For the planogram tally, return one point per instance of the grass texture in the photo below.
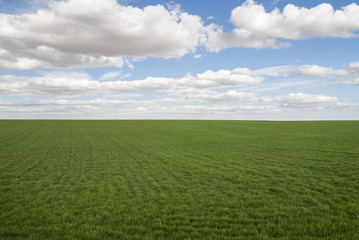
(179, 179)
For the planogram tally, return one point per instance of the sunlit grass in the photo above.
(179, 180)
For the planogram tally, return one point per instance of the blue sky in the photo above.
(133, 59)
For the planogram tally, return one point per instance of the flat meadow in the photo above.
(173, 179)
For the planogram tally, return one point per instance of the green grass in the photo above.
(179, 180)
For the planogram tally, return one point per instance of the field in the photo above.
(179, 180)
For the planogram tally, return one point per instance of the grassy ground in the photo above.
(179, 180)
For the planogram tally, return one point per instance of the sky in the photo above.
(152, 59)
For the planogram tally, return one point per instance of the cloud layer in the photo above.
(301, 100)
(55, 84)
(211, 94)
(103, 33)
(298, 105)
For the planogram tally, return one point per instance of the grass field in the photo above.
(179, 180)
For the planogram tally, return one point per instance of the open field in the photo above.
(179, 180)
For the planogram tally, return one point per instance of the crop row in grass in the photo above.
(179, 180)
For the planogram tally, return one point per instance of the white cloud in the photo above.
(91, 33)
(129, 64)
(95, 33)
(348, 75)
(8, 78)
(214, 96)
(276, 71)
(75, 108)
(25, 56)
(254, 27)
(217, 40)
(57, 83)
(297, 22)
(210, 79)
(110, 75)
(354, 66)
(318, 71)
(219, 111)
(96, 105)
(301, 100)
(270, 107)
(345, 75)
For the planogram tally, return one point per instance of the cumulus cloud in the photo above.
(8, 78)
(344, 75)
(75, 108)
(23, 56)
(269, 107)
(221, 109)
(95, 33)
(56, 83)
(218, 39)
(97, 102)
(112, 108)
(301, 100)
(348, 75)
(254, 27)
(91, 33)
(319, 71)
(354, 66)
(209, 79)
(297, 22)
(214, 96)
